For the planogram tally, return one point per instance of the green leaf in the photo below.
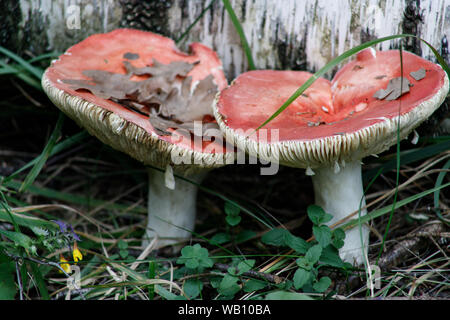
(7, 285)
(315, 214)
(297, 244)
(244, 235)
(304, 263)
(314, 253)
(231, 209)
(276, 237)
(192, 287)
(166, 294)
(123, 254)
(122, 244)
(322, 285)
(192, 264)
(330, 257)
(228, 286)
(220, 238)
(254, 285)
(286, 295)
(245, 266)
(194, 257)
(301, 277)
(233, 220)
(338, 237)
(322, 235)
(19, 239)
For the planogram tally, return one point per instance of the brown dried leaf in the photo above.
(166, 96)
(167, 71)
(418, 75)
(396, 88)
(104, 84)
(186, 106)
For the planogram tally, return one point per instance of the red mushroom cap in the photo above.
(107, 52)
(345, 119)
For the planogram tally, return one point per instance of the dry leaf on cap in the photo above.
(168, 71)
(419, 74)
(168, 96)
(104, 84)
(186, 106)
(396, 88)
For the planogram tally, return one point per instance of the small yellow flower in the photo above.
(76, 253)
(64, 264)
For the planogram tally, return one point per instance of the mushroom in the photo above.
(136, 92)
(333, 125)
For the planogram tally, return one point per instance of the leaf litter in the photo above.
(168, 96)
(399, 86)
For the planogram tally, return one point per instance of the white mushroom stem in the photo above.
(171, 213)
(340, 194)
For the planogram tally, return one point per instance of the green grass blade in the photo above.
(45, 56)
(397, 173)
(19, 73)
(39, 280)
(37, 72)
(72, 198)
(8, 212)
(240, 31)
(44, 155)
(438, 56)
(439, 180)
(408, 157)
(69, 142)
(182, 37)
(26, 221)
(382, 211)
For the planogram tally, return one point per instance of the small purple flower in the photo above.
(64, 226)
(75, 236)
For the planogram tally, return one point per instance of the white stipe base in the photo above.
(340, 194)
(171, 213)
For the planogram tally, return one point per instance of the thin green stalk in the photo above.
(397, 176)
(195, 22)
(439, 180)
(26, 65)
(240, 31)
(382, 211)
(44, 155)
(69, 142)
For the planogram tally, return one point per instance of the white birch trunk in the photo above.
(283, 34)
